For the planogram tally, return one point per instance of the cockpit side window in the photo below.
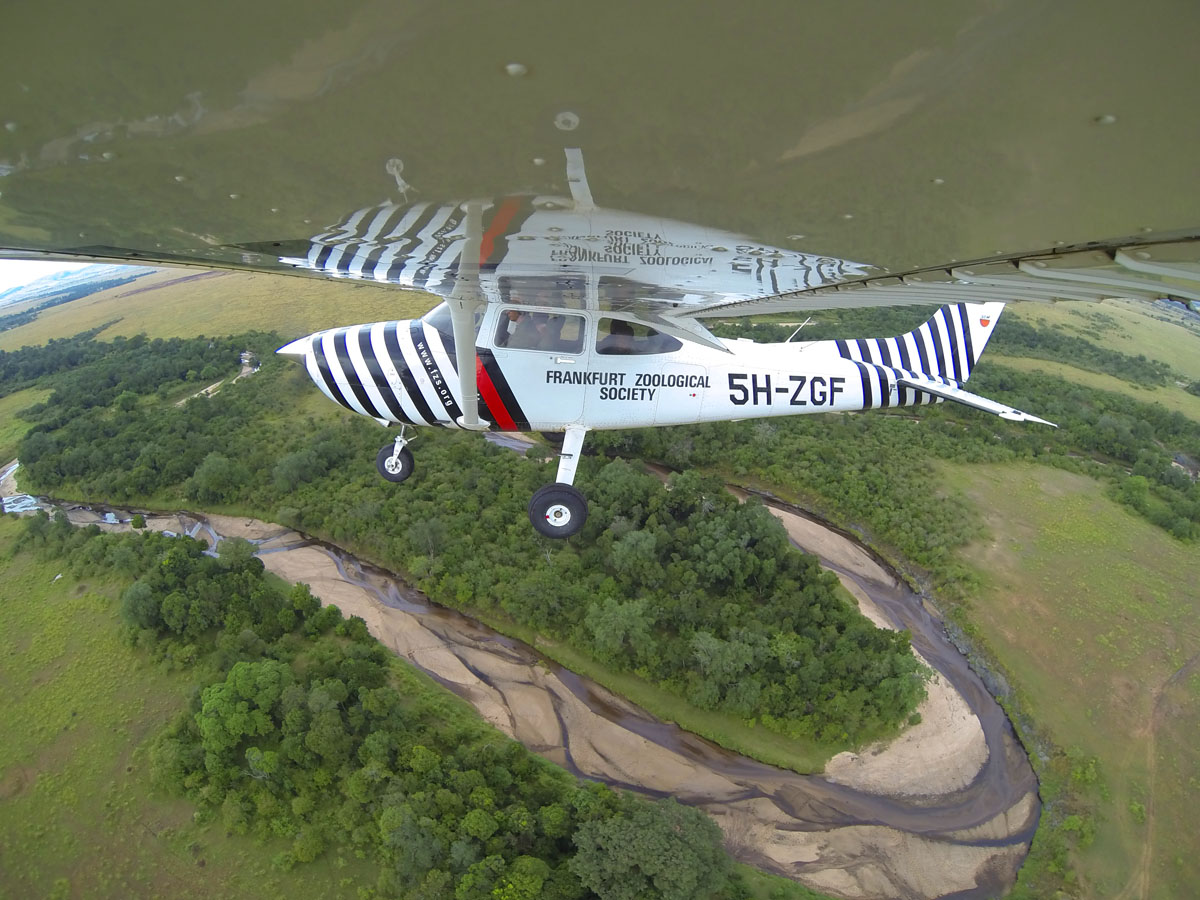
(522, 329)
(618, 337)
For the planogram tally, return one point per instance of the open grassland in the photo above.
(188, 302)
(12, 428)
(1096, 615)
(78, 817)
(1126, 326)
(1172, 397)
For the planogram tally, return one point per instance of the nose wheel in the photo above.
(558, 510)
(395, 461)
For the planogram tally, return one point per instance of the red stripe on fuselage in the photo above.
(500, 221)
(491, 397)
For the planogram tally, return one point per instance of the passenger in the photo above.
(552, 339)
(619, 340)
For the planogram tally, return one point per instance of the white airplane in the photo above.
(514, 349)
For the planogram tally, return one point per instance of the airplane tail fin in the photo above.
(946, 348)
(931, 362)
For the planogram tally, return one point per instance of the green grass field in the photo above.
(1096, 615)
(12, 428)
(78, 817)
(1126, 326)
(221, 303)
(1172, 397)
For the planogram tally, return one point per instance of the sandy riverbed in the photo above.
(530, 703)
(947, 749)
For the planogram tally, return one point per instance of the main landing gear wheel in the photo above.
(558, 510)
(394, 465)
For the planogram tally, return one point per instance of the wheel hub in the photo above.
(558, 515)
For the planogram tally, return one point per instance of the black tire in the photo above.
(554, 438)
(557, 511)
(398, 471)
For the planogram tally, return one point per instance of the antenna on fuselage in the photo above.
(581, 192)
(807, 321)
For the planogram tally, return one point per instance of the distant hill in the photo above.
(21, 305)
(51, 286)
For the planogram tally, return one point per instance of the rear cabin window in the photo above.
(522, 329)
(617, 337)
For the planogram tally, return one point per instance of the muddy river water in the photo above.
(946, 810)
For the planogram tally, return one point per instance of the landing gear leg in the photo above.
(559, 510)
(395, 460)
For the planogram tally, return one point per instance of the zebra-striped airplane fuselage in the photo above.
(405, 372)
(574, 370)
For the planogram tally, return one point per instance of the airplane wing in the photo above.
(1147, 270)
(707, 194)
(568, 252)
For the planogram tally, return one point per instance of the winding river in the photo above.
(947, 810)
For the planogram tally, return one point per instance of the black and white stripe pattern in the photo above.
(942, 350)
(389, 371)
(417, 245)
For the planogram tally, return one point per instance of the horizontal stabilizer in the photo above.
(958, 395)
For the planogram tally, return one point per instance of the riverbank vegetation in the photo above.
(1050, 582)
(305, 733)
(78, 813)
(685, 588)
(12, 424)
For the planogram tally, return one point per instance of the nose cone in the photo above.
(297, 349)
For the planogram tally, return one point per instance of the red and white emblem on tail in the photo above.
(985, 321)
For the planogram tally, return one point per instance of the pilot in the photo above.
(619, 340)
(507, 326)
(522, 330)
(531, 328)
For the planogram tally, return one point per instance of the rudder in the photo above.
(945, 348)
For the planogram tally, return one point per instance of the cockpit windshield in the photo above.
(439, 318)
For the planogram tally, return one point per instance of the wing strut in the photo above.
(464, 302)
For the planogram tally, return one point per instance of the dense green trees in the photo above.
(305, 728)
(659, 852)
(684, 587)
(93, 373)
